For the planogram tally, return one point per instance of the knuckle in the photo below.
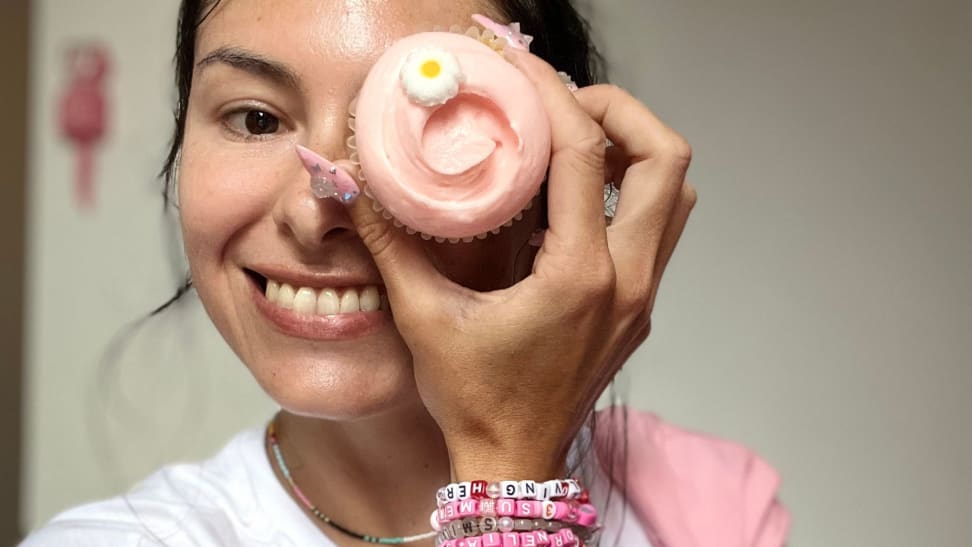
(678, 150)
(691, 195)
(635, 300)
(601, 280)
(591, 150)
(376, 234)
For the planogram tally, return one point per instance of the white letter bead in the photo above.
(451, 492)
(573, 488)
(509, 489)
(527, 490)
(541, 492)
(463, 490)
(555, 489)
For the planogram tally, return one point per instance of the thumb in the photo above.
(401, 258)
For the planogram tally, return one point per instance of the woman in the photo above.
(496, 352)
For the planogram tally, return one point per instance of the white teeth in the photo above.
(306, 301)
(328, 302)
(369, 299)
(285, 297)
(349, 301)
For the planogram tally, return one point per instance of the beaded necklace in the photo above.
(285, 471)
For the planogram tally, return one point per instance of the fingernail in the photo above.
(327, 179)
(511, 32)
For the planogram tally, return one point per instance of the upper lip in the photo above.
(315, 280)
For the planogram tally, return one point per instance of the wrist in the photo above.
(527, 464)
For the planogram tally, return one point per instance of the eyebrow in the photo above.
(252, 63)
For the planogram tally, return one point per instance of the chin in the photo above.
(355, 380)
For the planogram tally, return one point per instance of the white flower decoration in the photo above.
(431, 76)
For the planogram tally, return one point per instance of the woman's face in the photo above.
(270, 75)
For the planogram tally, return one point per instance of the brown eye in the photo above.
(261, 123)
(252, 123)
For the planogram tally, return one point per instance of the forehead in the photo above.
(341, 30)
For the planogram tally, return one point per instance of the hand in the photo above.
(510, 375)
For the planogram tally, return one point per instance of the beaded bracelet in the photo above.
(487, 525)
(563, 538)
(569, 512)
(547, 490)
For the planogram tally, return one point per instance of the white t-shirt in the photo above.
(232, 499)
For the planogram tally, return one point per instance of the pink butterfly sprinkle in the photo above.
(511, 32)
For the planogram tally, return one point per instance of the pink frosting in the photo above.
(463, 168)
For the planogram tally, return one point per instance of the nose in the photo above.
(311, 222)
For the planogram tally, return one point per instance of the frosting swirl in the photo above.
(454, 166)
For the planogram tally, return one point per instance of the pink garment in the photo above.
(691, 490)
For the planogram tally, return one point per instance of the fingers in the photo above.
(652, 181)
(688, 197)
(658, 159)
(575, 193)
(404, 265)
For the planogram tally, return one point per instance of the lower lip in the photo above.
(346, 326)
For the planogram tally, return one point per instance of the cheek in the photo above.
(225, 187)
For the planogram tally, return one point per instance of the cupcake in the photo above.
(452, 140)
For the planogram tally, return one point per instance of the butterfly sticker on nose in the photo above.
(327, 179)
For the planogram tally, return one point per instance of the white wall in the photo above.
(819, 307)
(816, 310)
(177, 392)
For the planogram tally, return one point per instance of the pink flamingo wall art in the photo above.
(83, 114)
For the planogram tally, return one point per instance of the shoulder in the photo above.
(691, 489)
(185, 504)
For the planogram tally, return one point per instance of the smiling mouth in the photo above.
(322, 301)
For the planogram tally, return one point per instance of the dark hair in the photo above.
(561, 37)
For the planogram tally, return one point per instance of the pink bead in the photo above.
(511, 539)
(468, 508)
(571, 516)
(564, 538)
(474, 542)
(487, 508)
(542, 537)
(451, 511)
(506, 507)
(492, 539)
(528, 539)
(562, 510)
(450, 543)
(529, 509)
(586, 515)
(462, 543)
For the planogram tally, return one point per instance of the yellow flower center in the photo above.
(431, 69)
